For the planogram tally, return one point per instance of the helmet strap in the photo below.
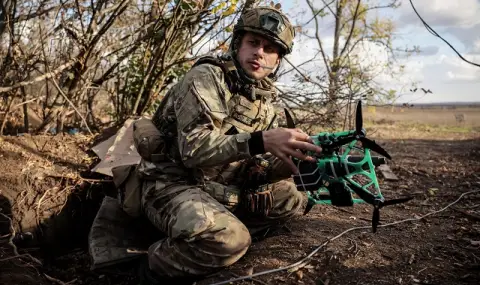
(273, 76)
(238, 80)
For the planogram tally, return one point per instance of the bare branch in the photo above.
(39, 78)
(71, 104)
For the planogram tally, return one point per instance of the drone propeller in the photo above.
(380, 204)
(377, 203)
(368, 143)
(360, 132)
(359, 118)
(290, 122)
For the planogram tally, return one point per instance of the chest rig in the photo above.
(250, 107)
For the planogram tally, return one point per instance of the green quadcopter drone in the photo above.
(333, 178)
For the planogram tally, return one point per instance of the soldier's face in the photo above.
(258, 56)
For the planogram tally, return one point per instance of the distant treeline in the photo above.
(443, 105)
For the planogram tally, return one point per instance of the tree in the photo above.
(345, 72)
(72, 59)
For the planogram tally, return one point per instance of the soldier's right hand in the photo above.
(285, 143)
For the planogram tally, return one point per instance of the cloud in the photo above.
(372, 57)
(436, 67)
(476, 46)
(442, 13)
(458, 19)
(461, 71)
(456, 61)
(468, 36)
(461, 77)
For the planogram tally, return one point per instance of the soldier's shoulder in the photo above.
(205, 79)
(205, 70)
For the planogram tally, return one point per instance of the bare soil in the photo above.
(442, 248)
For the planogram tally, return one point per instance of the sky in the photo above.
(437, 67)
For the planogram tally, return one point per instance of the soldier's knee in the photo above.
(234, 240)
(292, 198)
(220, 244)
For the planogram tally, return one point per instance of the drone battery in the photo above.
(376, 160)
(310, 177)
(340, 195)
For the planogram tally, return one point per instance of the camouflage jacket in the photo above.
(205, 122)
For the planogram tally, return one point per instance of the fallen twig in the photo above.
(38, 208)
(58, 281)
(421, 270)
(79, 178)
(472, 207)
(304, 261)
(354, 246)
(253, 279)
(14, 256)
(472, 216)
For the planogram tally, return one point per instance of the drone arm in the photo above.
(365, 196)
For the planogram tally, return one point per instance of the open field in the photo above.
(416, 122)
(436, 160)
(461, 117)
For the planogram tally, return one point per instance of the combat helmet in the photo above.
(269, 22)
(266, 21)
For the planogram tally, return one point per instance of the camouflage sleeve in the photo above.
(200, 110)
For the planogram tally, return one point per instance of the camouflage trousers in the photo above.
(206, 229)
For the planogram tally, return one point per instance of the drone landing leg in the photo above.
(308, 208)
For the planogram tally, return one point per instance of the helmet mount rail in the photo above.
(269, 22)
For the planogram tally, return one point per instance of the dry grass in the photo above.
(434, 123)
(418, 123)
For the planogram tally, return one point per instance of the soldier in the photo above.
(218, 176)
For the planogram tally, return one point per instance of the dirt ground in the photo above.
(441, 248)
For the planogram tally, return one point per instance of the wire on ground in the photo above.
(304, 261)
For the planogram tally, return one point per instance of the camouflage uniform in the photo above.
(192, 189)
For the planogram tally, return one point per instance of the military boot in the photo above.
(260, 234)
(148, 277)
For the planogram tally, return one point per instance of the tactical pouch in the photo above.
(148, 140)
(129, 185)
